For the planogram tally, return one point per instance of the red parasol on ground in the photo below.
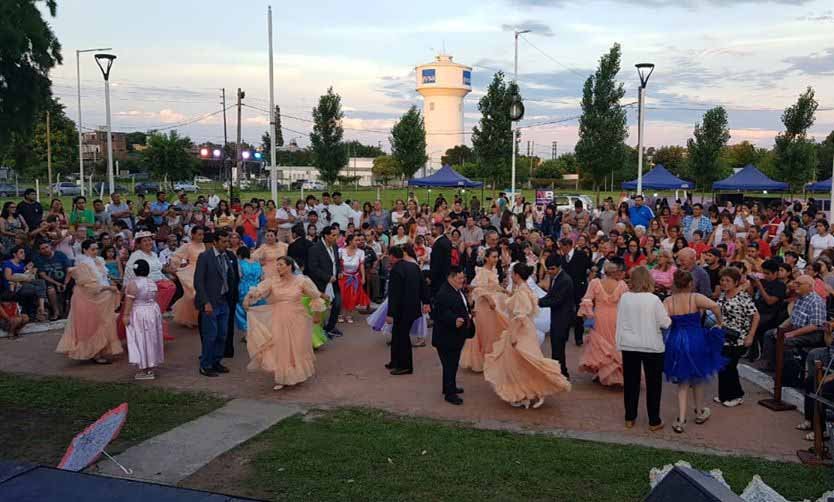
(88, 445)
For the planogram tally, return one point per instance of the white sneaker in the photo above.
(732, 403)
(716, 400)
(702, 416)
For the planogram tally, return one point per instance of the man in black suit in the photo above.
(452, 326)
(441, 258)
(560, 300)
(576, 264)
(323, 268)
(406, 289)
(214, 283)
(299, 247)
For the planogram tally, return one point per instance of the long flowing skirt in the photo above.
(419, 328)
(185, 312)
(165, 291)
(520, 372)
(144, 336)
(353, 294)
(91, 326)
(489, 324)
(319, 338)
(279, 341)
(693, 353)
(601, 357)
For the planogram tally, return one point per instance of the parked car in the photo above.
(313, 185)
(202, 179)
(146, 187)
(185, 186)
(7, 190)
(66, 188)
(105, 188)
(565, 203)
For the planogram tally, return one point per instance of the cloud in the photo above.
(824, 16)
(689, 4)
(168, 116)
(814, 64)
(535, 27)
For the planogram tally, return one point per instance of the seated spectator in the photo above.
(52, 267)
(20, 279)
(10, 320)
(824, 355)
(804, 331)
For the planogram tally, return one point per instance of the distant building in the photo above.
(356, 166)
(94, 145)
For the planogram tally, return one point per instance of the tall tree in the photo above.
(408, 142)
(825, 154)
(602, 127)
(170, 154)
(742, 154)
(458, 155)
(329, 155)
(358, 149)
(672, 157)
(492, 138)
(710, 137)
(279, 131)
(26, 152)
(135, 138)
(28, 50)
(385, 169)
(795, 153)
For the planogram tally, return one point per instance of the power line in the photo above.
(548, 56)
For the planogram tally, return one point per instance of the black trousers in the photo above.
(335, 309)
(449, 360)
(401, 344)
(652, 364)
(729, 382)
(230, 333)
(578, 328)
(558, 339)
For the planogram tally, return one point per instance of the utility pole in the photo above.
(49, 152)
(532, 147)
(273, 178)
(238, 158)
(554, 151)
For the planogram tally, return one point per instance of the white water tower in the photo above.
(443, 85)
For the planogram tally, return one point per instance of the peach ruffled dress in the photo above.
(268, 256)
(91, 326)
(280, 333)
(185, 312)
(601, 357)
(516, 367)
(489, 323)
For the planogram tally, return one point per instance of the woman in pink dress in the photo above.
(183, 263)
(90, 332)
(601, 357)
(280, 332)
(664, 272)
(269, 252)
(143, 320)
(489, 298)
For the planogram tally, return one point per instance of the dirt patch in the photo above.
(228, 473)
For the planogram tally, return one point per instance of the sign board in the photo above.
(429, 76)
(544, 197)
(467, 77)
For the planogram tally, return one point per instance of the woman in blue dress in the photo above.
(693, 352)
(251, 274)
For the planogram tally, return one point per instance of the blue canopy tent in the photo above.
(660, 178)
(750, 178)
(819, 186)
(445, 177)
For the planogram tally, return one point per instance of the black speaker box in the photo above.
(683, 484)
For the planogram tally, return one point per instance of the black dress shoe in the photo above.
(400, 371)
(208, 372)
(219, 368)
(459, 390)
(388, 366)
(453, 399)
(336, 332)
(579, 343)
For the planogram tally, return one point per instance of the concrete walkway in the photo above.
(174, 455)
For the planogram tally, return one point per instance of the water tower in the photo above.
(443, 84)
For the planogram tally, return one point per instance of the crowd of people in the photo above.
(647, 288)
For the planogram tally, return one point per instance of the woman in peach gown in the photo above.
(516, 368)
(488, 297)
(601, 357)
(90, 333)
(269, 251)
(280, 332)
(183, 263)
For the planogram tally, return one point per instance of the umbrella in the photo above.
(89, 444)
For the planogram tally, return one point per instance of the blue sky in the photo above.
(754, 57)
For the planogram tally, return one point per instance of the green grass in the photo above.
(39, 416)
(369, 455)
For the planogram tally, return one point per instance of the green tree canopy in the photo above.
(385, 169)
(26, 152)
(673, 157)
(329, 155)
(796, 154)
(457, 155)
(135, 138)
(492, 138)
(28, 50)
(408, 142)
(825, 154)
(170, 154)
(358, 149)
(602, 127)
(710, 138)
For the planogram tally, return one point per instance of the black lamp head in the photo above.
(645, 71)
(105, 62)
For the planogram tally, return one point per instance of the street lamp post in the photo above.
(516, 109)
(105, 62)
(80, 133)
(644, 70)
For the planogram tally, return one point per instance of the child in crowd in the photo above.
(143, 321)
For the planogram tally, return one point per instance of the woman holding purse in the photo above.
(740, 322)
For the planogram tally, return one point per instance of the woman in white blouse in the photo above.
(640, 317)
(164, 286)
(820, 241)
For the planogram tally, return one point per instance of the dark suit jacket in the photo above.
(577, 268)
(406, 292)
(298, 250)
(560, 300)
(319, 265)
(207, 280)
(447, 307)
(440, 263)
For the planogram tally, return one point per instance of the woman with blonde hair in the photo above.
(601, 357)
(640, 319)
